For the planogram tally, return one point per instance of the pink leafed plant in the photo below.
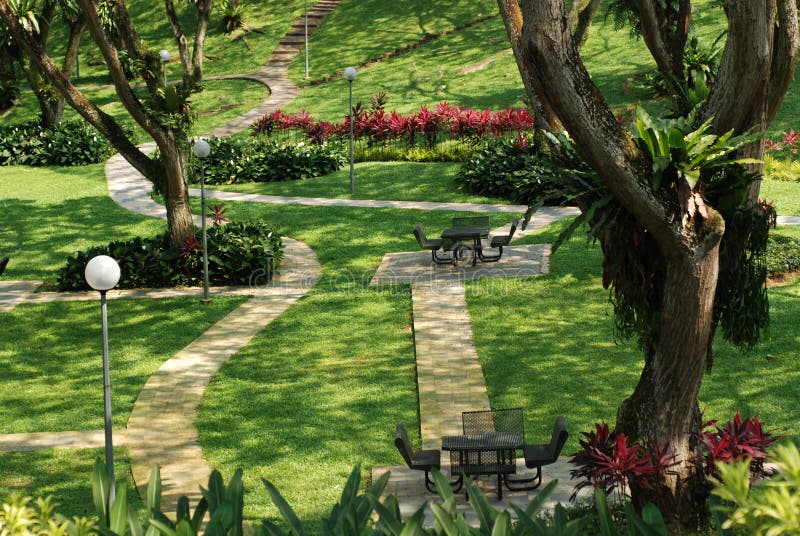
(734, 441)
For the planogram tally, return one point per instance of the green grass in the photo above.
(546, 344)
(50, 213)
(786, 195)
(319, 390)
(220, 102)
(361, 30)
(399, 181)
(50, 356)
(65, 474)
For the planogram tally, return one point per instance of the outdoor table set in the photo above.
(467, 234)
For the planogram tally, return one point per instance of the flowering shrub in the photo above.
(376, 126)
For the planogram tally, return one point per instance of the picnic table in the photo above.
(492, 453)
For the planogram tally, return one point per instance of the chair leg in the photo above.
(537, 478)
(430, 485)
(440, 260)
(491, 258)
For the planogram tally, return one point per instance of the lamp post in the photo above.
(102, 273)
(201, 150)
(164, 55)
(350, 75)
(305, 14)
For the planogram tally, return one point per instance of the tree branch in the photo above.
(784, 58)
(584, 112)
(96, 117)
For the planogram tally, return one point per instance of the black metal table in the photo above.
(492, 453)
(460, 235)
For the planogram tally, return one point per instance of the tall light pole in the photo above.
(201, 150)
(102, 273)
(305, 13)
(350, 75)
(164, 55)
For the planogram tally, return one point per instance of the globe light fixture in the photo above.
(164, 55)
(350, 75)
(201, 150)
(102, 274)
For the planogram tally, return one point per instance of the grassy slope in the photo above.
(221, 101)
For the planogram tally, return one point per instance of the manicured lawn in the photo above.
(319, 390)
(398, 181)
(785, 194)
(63, 473)
(50, 213)
(51, 357)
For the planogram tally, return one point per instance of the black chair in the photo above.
(498, 242)
(3, 264)
(493, 420)
(433, 245)
(537, 456)
(418, 460)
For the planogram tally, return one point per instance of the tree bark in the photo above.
(580, 19)
(665, 31)
(543, 113)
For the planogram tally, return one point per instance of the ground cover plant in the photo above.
(73, 143)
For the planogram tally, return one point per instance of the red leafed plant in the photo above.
(218, 214)
(189, 247)
(734, 441)
(790, 138)
(608, 462)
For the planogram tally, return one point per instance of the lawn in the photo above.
(65, 474)
(399, 181)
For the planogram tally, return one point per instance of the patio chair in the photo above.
(498, 242)
(418, 460)
(433, 245)
(3, 264)
(537, 456)
(493, 420)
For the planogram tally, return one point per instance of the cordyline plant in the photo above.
(606, 461)
(378, 126)
(736, 440)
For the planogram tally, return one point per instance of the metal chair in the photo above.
(537, 456)
(493, 420)
(433, 245)
(499, 242)
(3, 264)
(418, 460)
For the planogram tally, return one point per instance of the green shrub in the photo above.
(446, 151)
(768, 507)
(512, 169)
(783, 254)
(239, 253)
(72, 143)
(256, 160)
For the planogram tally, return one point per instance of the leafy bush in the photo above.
(512, 169)
(72, 143)
(736, 440)
(256, 160)
(783, 255)
(237, 253)
(768, 507)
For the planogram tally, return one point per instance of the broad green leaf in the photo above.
(286, 511)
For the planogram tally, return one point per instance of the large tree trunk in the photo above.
(176, 193)
(661, 410)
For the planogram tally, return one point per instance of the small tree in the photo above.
(165, 113)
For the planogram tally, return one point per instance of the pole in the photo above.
(165, 72)
(107, 401)
(352, 157)
(206, 299)
(305, 12)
